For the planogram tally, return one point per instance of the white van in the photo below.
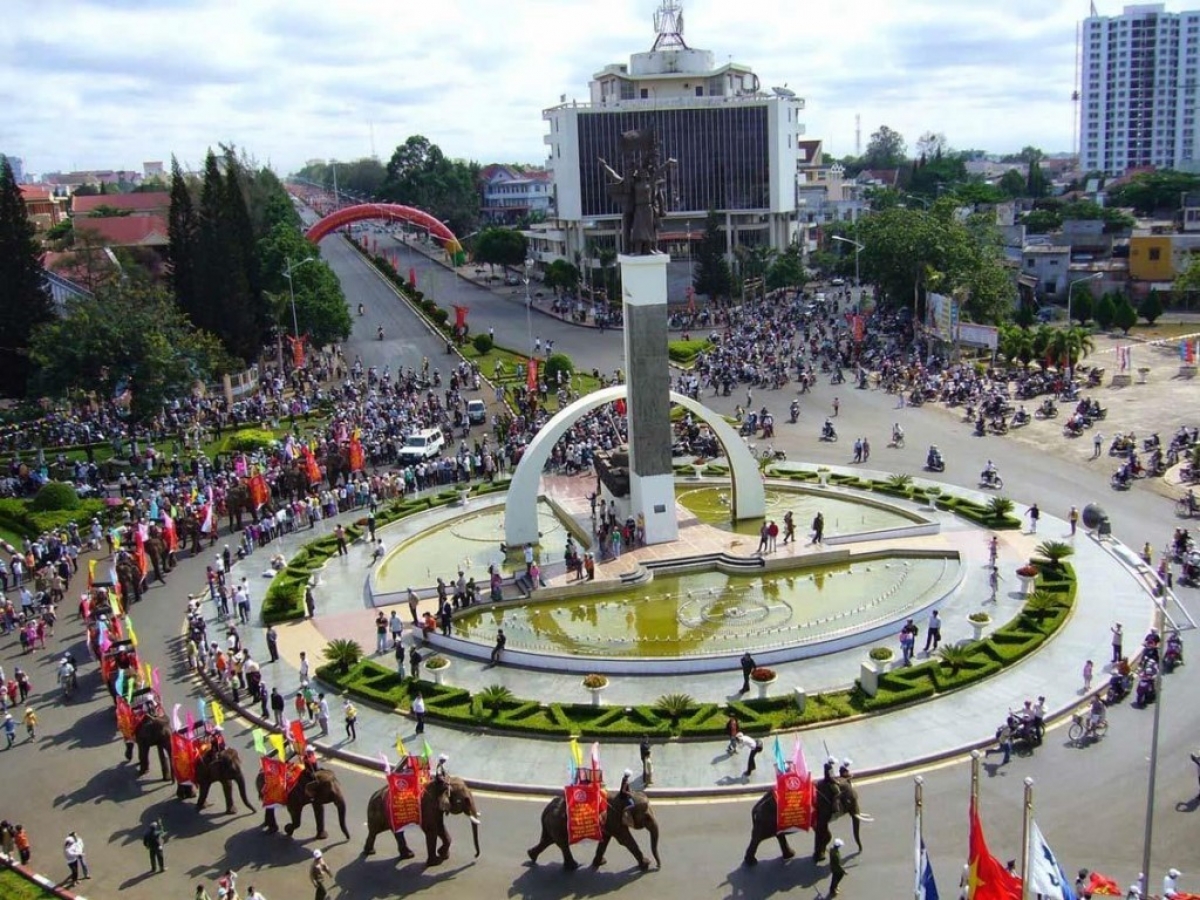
(422, 445)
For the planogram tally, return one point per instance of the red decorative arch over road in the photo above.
(358, 213)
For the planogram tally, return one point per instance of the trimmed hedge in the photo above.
(53, 496)
(19, 516)
(685, 352)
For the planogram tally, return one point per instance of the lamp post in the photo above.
(287, 273)
(1071, 289)
(1160, 615)
(858, 248)
(528, 303)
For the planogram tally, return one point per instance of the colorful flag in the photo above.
(401, 750)
(206, 515)
(987, 877)
(358, 458)
(218, 714)
(129, 630)
(1044, 873)
(120, 682)
(91, 573)
(426, 752)
(781, 765)
(799, 764)
(531, 375)
(596, 755)
(387, 765)
(296, 731)
(155, 682)
(260, 743)
(279, 744)
(175, 726)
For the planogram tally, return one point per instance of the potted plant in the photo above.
(932, 492)
(439, 666)
(881, 655)
(979, 621)
(823, 475)
(596, 684)
(763, 678)
(698, 465)
(1028, 575)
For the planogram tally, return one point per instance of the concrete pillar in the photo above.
(651, 478)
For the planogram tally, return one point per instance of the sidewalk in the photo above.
(1108, 591)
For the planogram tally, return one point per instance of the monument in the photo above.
(641, 193)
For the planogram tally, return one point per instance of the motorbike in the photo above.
(794, 412)
(934, 462)
(829, 433)
(1173, 656)
(1117, 690)
(362, 310)
(379, 332)
(1020, 418)
(998, 426)
(980, 427)
(1151, 443)
(990, 478)
(1121, 479)
(1146, 691)
(1048, 409)
(770, 454)
(1122, 445)
(1073, 427)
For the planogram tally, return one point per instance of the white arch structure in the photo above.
(520, 515)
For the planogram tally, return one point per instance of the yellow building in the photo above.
(1150, 258)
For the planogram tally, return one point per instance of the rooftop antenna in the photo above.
(857, 134)
(668, 26)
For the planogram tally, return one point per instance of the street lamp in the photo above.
(528, 302)
(1071, 288)
(1160, 615)
(287, 273)
(858, 248)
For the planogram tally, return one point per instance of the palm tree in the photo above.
(1052, 553)
(1043, 335)
(343, 653)
(955, 657)
(1070, 345)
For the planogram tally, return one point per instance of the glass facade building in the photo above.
(723, 156)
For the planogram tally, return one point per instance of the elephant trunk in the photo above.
(475, 833)
(652, 827)
(241, 783)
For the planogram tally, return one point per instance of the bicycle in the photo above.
(1081, 730)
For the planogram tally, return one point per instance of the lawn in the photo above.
(510, 362)
(14, 887)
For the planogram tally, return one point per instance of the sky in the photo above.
(88, 84)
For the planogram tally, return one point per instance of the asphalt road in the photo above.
(1090, 803)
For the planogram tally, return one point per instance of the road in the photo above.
(1090, 803)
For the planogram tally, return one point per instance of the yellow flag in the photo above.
(280, 746)
(149, 673)
(115, 602)
(401, 750)
(218, 714)
(576, 752)
(130, 631)
(91, 572)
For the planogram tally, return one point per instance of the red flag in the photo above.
(296, 733)
(260, 493)
(531, 380)
(988, 879)
(358, 459)
(139, 542)
(1103, 886)
(310, 466)
(620, 407)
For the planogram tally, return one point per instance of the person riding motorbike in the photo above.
(379, 332)
(980, 427)
(933, 459)
(1021, 416)
(897, 435)
(794, 410)
(827, 431)
(990, 474)
(1096, 715)
(362, 309)
(1174, 652)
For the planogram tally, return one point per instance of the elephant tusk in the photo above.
(863, 817)
(474, 820)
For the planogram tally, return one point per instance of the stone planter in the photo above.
(463, 496)
(1122, 379)
(1142, 373)
(1027, 583)
(596, 692)
(977, 628)
(764, 687)
(698, 471)
(823, 477)
(439, 674)
(868, 677)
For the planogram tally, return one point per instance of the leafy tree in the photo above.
(321, 309)
(125, 335)
(1069, 345)
(712, 277)
(363, 176)
(1035, 182)
(932, 145)
(24, 298)
(1150, 192)
(931, 177)
(1081, 306)
(501, 247)
(1025, 316)
(1016, 344)
(1042, 221)
(1105, 311)
(562, 276)
(420, 175)
(1125, 316)
(104, 211)
(1151, 307)
(786, 270)
(885, 150)
(558, 363)
(976, 192)
(86, 190)
(1012, 184)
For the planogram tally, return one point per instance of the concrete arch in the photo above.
(520, 514)
(358, 213)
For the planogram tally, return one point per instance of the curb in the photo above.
(40, 880)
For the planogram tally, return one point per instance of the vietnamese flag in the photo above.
(987, 877)
(531, 381)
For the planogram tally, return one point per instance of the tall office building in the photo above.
(737, 146)
(18, 167)
(1138, 78)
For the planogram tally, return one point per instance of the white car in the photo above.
(422, 445)
(476, 412)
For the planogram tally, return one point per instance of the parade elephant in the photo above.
(153, 731)
(457, 800)
(336, 463)
(834, 797)
(618, 823)
(159, 557)
(225, 767)
(129, 577)
(238, 504)
(188, 530)
(291, 485)
(315, 788)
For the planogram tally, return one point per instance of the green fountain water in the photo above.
(716, 613)
(711, 505)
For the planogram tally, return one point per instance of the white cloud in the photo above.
(109, 83)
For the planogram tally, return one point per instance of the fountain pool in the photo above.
(843, 515)
(714, 613)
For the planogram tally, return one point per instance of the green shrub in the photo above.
(558, 362)
(685, 352)
(247, 440)
(54, 496)
(483, 343)
(675, 706)
(343, 653)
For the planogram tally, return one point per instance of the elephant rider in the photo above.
(844, 770)
(216, 743)
(441, 784)
(311, 763)
(625, 798)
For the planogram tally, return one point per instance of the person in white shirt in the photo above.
(1170, 889)
(76, 859)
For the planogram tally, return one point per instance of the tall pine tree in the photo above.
(183, 235)
(208, 309)
(712, 278)
(25, 300)
(244, 309)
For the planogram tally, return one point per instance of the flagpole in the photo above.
(918, 805)
(1025, 838)
(976, 760)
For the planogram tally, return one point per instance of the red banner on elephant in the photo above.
(183, 759)
(793, 802)
(310, 466)
(297, 345)
(403, 798)
(127, 719)
(259, 492)
(531, 380)
(587, 805)
(278, 779)
(358, 458)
